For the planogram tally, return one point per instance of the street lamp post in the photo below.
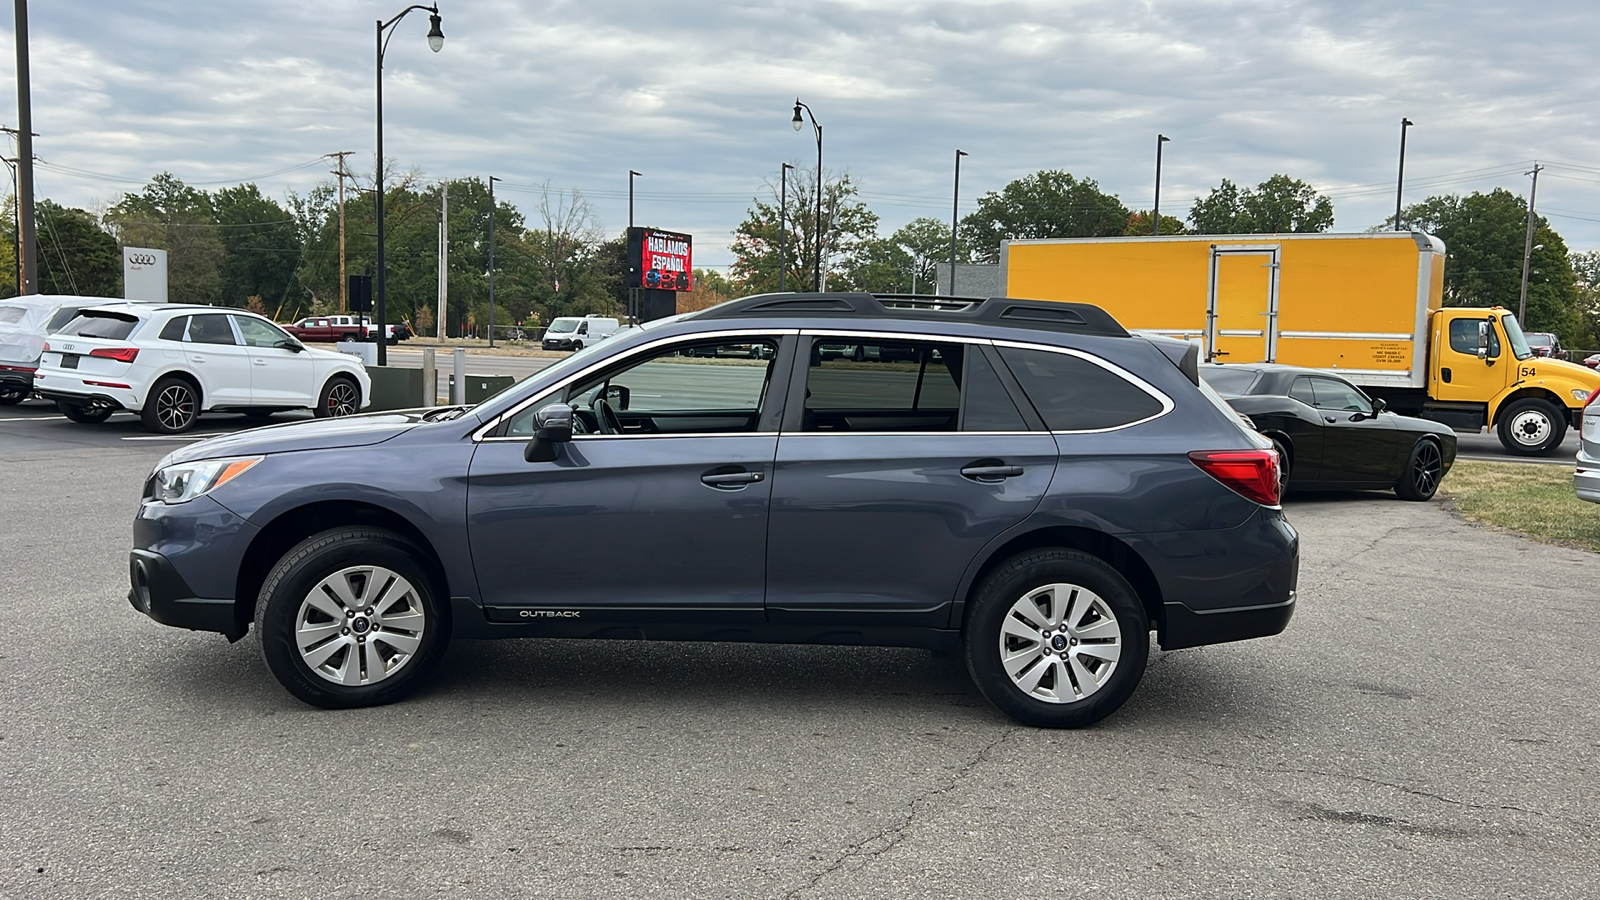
(798, 122)
(633, 292)
(783, 216)
(1155, 211)
(955, 205)
(492, 180)
(1400, 180)
(436, 43)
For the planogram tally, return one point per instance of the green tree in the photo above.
(262, 246)
(76, 255)
(1484, 236)
(169, 215)
(1047, 204)
(847, 225)
(1139, 224)
(1586, 272)
(1279, 205)
(904, 262)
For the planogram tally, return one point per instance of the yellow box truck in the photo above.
(1367, 306)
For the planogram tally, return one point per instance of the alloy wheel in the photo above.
(342, 399)
(1060, 643)
(1427, 470)
(175, 407)
(359, 625)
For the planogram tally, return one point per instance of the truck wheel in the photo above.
(83, 413)
(351, 618)
(171, 406)
(1056, 638)
(1532, 427)
(1422, 473)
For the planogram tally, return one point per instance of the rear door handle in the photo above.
(984, 473)
(730, 480)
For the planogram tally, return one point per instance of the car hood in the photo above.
(317, 434)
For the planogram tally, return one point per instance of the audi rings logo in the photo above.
(142, 259)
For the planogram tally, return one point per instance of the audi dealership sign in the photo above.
(144, 274)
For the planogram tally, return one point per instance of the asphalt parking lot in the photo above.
(1425, 728)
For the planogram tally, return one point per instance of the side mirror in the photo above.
(552, 427)
(1483, 340)
(1379, 405)
(617, 395)
(291, 346)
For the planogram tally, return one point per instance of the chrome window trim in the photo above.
(482, 433)
(894, 336)
(907, 433)
(1167, 405)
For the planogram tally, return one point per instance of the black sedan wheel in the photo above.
(1285, 462)
(1423, 472)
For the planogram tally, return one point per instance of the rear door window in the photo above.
(211, 328)
(1072, 393)
(883, 385)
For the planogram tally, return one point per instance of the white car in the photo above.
(1587, 478)
(24, 322)
(171, 362)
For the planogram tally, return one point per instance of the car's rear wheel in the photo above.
(84, 413)
(12, 394)
(1056, 638)
(340, 397)
(1285, 463)
(1423, 472)
(351, 617)
(1532, 427)
(172, 406)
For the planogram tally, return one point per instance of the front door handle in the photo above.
(726, 480)
(990, 472)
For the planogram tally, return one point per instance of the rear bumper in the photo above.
(1587, 479)
(1189, 628)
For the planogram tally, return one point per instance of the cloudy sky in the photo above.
(697, 95)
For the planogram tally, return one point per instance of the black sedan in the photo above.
(1330, 435)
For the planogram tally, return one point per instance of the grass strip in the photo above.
(1532, 500)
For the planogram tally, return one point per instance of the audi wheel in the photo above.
(172, 406)
(340, 397)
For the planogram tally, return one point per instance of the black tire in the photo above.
(172, 406)
(859, 354)
(1028, 576)
(258, 415)
(1424, 469)
(341, 396)
(1285, 466)
(84, 414)
(576, 346)
(285, 607)
(12, 394)
(1532, 427)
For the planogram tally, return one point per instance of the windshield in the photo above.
(1228, 381)
(562, 326)
(1519, 344)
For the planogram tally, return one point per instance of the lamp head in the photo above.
(1406, 122)
(797, 121)
(1162, 139)
(435, 34)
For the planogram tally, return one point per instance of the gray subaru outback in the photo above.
(1020, 482)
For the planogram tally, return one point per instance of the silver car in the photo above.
(1588, 475)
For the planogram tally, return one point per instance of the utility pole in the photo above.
(1527, 244)
(16, 206)
(25, 230)
(344, 283)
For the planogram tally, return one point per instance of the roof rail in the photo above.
(1040, 315)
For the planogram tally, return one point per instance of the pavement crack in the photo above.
(888, 837)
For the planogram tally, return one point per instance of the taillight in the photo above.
(1252, 474)
(120, 354)
(46, 347)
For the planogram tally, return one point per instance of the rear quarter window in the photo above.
(11, 315)
(110, 326)
(1074, 394)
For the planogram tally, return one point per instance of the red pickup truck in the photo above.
(320, 329)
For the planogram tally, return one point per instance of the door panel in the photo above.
(277, 376)
(1357, 449)
(1470, 378)
(884, 525)
(1242, 302)
(214, 353)
(621, 523)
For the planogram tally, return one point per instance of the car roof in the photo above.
(1003, 312)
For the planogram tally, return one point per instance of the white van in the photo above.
(577, 332)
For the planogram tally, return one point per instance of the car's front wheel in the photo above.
(351, 617)
(83, 413)
(1422, 474)
(1056, 638)
(340, 397)
(172, 406)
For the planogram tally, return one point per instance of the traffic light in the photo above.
(360, 293)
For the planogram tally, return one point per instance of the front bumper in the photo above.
(183, 568)
(564, 344)
(157, 590)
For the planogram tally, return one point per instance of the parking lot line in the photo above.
(32, 418)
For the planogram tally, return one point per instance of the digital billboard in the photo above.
(660, 260)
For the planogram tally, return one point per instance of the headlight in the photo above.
(186, 481)
(1581, 395)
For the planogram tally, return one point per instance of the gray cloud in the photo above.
(697, 96)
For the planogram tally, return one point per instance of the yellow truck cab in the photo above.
(1368, 307)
